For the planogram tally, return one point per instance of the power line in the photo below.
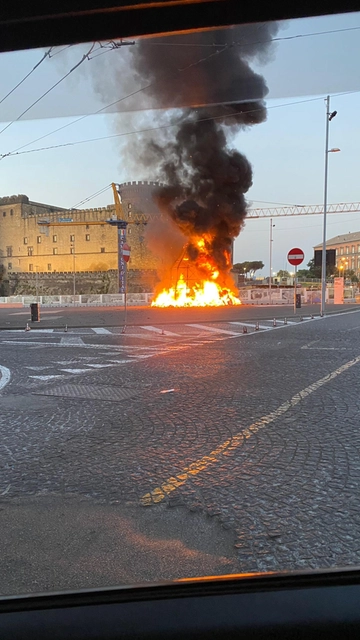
(150, 129)
(50, 89)
(247, 44)
(93, 195)
(46, 54)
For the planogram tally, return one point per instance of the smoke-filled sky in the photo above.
(286, 151)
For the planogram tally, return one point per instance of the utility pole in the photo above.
(329, 117)
(270, 257)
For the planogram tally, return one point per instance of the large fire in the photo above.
(205, 287)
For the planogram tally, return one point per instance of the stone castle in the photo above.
(50, 241)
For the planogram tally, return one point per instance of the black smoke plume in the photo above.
(218, 92)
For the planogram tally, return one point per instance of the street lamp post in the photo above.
(329, 117)
(74, 271)
(270, 257)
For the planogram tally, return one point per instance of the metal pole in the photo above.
(295, 288)
(323, 260)
(125, 295)
(270, 259)
(74, 274)
(37, 284)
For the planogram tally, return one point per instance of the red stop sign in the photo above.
(126, 252)
(295, 256)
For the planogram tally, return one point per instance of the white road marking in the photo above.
(76, 370)
(161, 331)
(159, 493)
(213, 329)
(69, 340)
(46, 377)
(101, 331)
(5, 376)
(248, 324)
(101, 366)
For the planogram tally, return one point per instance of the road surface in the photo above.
(78, 317)
(167, 453)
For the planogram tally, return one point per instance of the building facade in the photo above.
(41, 238)
(347, 248)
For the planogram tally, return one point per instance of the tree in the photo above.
(283, 274)
(351, 275)
(248, 267)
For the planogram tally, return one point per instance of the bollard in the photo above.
(244, 329)
(301, 318)
(274, 322)
(27, 328)
(123, 329)
(285, 320)
(162, 332)
(257, 327)
(312, 316)
(65, 328)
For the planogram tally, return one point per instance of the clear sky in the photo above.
(287, 152)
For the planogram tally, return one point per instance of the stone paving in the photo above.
(257, 434)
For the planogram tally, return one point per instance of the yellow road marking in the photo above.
(159, 493)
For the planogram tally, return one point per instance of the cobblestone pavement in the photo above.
(256, 434)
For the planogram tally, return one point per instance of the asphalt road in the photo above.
(78, 317)
(202, 450)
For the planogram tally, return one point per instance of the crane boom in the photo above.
(303, 210)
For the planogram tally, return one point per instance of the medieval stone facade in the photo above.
(41, 238)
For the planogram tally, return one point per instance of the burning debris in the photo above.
(206, 180)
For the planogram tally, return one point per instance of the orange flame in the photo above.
(204, 294)
(208, 288)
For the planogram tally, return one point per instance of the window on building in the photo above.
(72, 250)
(336, 251)
(39, 239)
(129, 205)
(31, 267)
(54, 238)
(30, 251)
(87, 237)
(341, 251)
(129, 232)
(25, 240)
(358, 248)
(55, 251)
(9, 252)
(87, 227)
(49, 267)
(353, 249)
(347, 250)
(9, 266)
(102, 250)
(72, 238)
(11, 212)
(129, 214)
(4, 214)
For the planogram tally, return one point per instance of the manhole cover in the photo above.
(90, 392)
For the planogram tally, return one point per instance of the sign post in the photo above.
(126, 250)
(295, 257)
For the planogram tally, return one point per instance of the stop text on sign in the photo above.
(295, 256)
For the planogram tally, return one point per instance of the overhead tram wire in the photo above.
(46, 54)
(84, 57)
(93, 195)
(150, 129)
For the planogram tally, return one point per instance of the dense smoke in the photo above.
(219, 94)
